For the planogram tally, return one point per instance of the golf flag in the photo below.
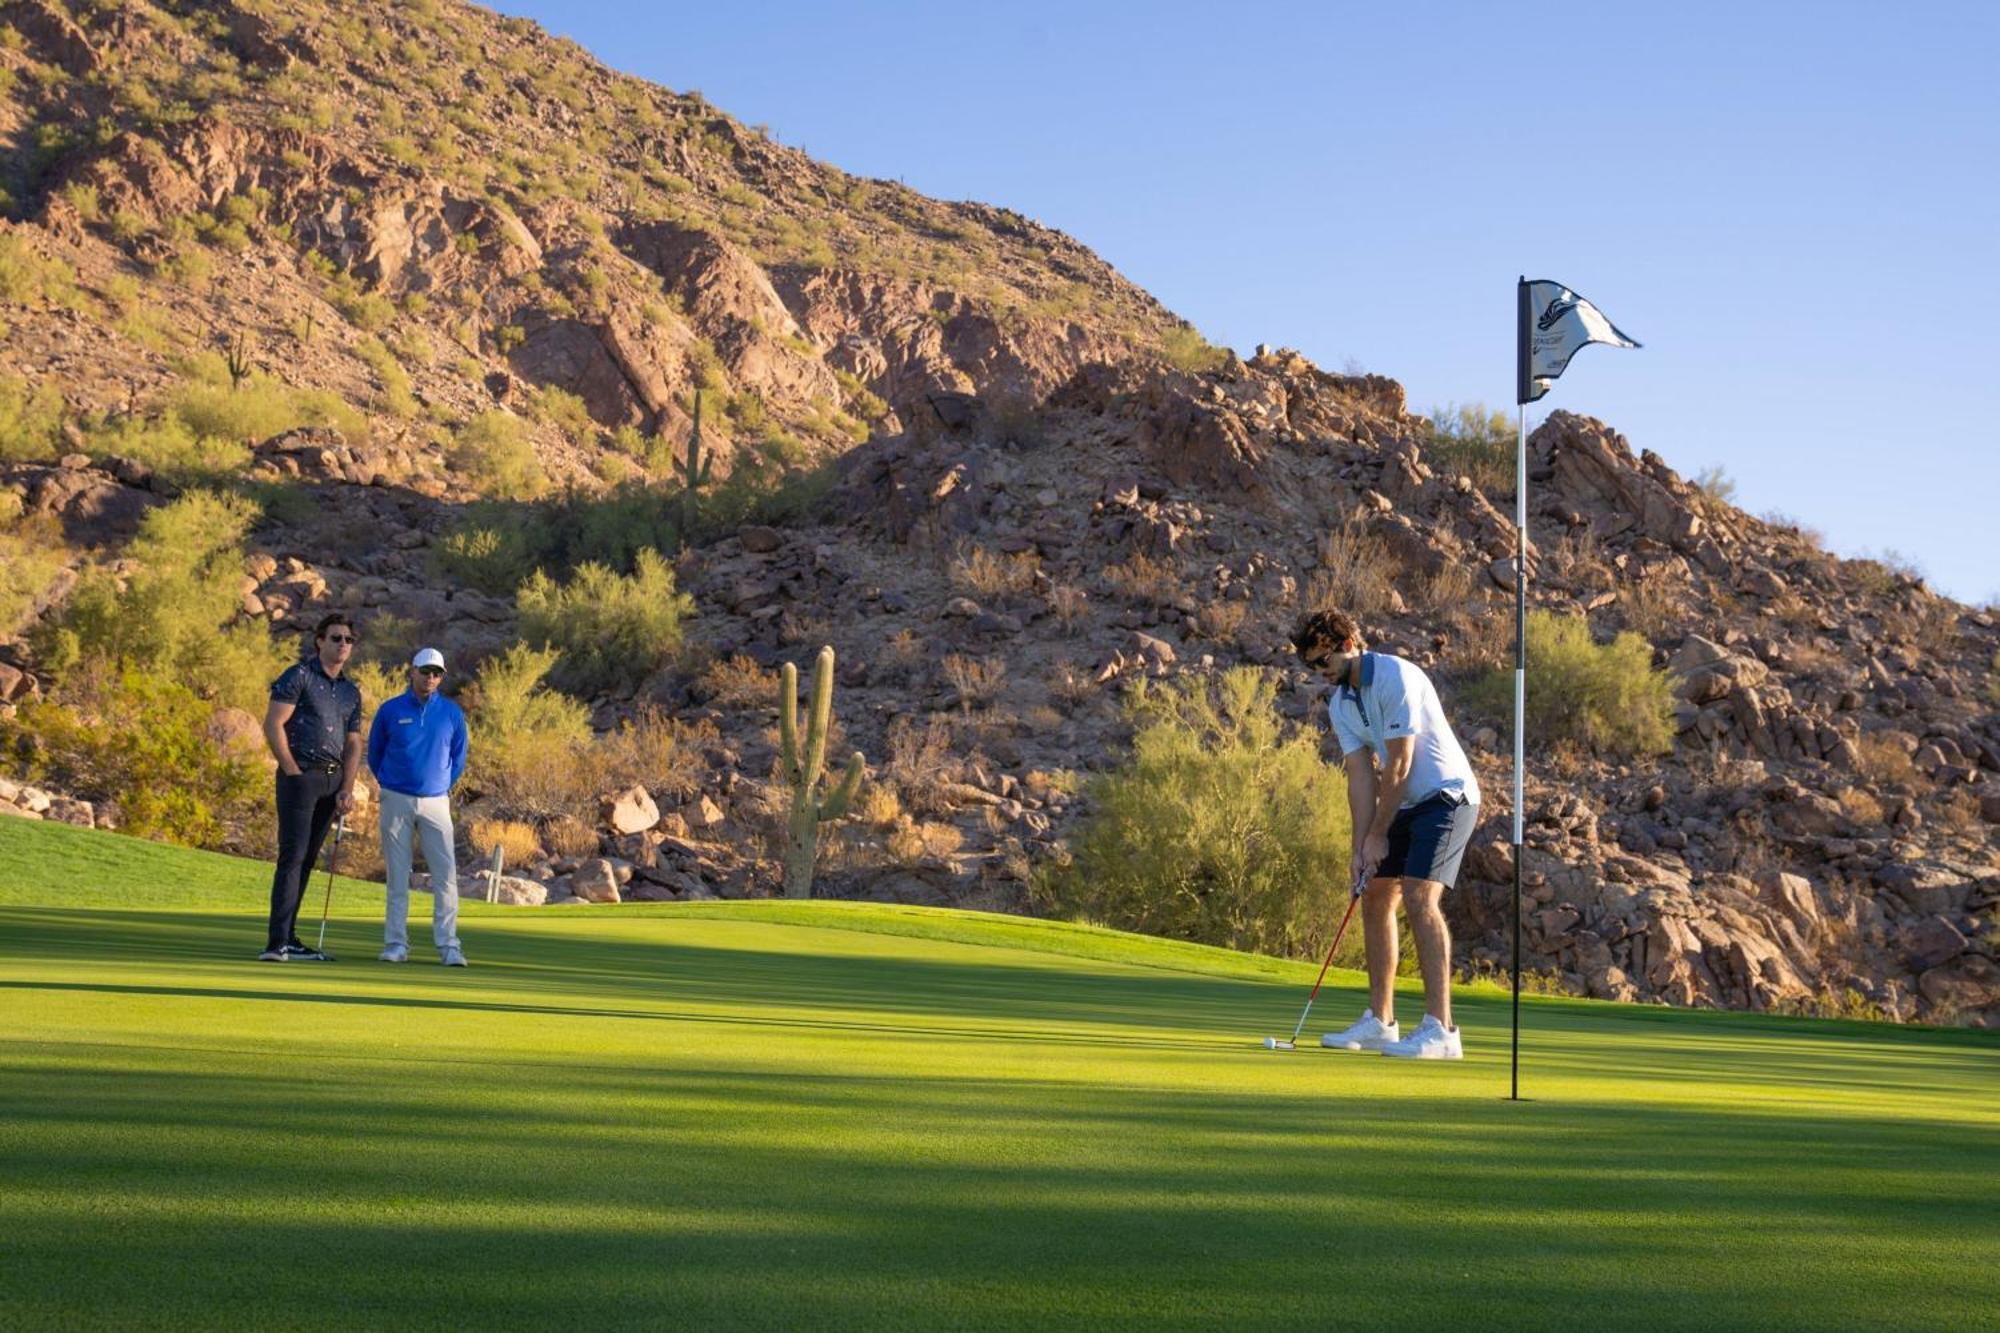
(1556, 323)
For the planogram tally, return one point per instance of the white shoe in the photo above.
(452, 956)
(394, 953)
(1431, 1041)
(1369, 1034)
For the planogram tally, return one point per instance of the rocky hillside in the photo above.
(403, 233)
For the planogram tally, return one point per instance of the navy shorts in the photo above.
(1428, 840)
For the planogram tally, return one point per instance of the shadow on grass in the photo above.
(641, 1197)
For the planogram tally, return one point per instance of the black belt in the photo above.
(319, 766)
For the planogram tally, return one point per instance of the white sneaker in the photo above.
(1431, 1041)
(1369, 1034)
(452, 956)
(394, 953)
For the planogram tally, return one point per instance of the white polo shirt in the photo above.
(1397, 699)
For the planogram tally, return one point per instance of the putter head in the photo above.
(1278, 1044)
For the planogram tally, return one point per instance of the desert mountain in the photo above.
(424, 281)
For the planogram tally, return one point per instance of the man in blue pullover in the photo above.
(416, 750)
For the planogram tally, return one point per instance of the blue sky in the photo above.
(1796, 207)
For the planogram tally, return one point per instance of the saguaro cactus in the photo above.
(694, 475)
(802, 770)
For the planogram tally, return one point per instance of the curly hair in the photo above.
(1321, 634)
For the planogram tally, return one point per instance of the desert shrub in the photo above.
(1884, 760)
(493, 558)
(30, 420)
(397, 400)
(494, 451)
(1068, 604)
(984, 573)
(612, 629)
(1716, 485)
(146, 743)
(211, 405)
(1650, 607)
(737, 681)
(657, 752)
(567, 835)
(529, 742)
(1604, 696)
(1141, 578)
(1861, 806)
(565, 411)
(517, 841)
(1477, 441)
(1357, 573)
(1224, 827)
(31, 551)
(174, 614)
(1992, 688)
(1221, 621)
(26, 277)
(918, 763)
(976, 680)
(1185, 349)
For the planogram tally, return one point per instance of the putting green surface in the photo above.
(834, 1116)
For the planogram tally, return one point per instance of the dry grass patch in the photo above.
(566, 835)
(984, 573)
(1882, 760)
(737, 681)
(516, 840)
(657, 752)
(976, 680)
(1357, 573)
(1143, 579)
(1068, 604)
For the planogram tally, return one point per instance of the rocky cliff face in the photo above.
(429, 213)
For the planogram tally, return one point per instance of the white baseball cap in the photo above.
(428, 657)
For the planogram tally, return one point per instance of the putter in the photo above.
(332, 860)
(1292, 1043)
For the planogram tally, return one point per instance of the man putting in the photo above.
(313, 726)
(1414, 802)
(416, 750)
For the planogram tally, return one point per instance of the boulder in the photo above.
(631, 811)
(595, 881)
(514, 890)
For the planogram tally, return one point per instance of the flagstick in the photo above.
(1520, 647)
(1520, 699)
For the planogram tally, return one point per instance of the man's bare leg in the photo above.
(1423, 900)
(1378, 932)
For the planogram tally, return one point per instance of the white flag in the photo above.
(1555, 323)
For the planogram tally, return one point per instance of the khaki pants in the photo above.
(430, 816)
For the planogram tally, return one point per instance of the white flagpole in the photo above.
(1520, 651)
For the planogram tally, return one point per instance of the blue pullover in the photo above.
(417, 749)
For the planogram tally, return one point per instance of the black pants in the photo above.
(305, 811)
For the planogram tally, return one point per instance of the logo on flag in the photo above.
(1566, 325)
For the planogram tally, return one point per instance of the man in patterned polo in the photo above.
(313, 727)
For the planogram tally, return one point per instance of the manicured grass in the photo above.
(736, 1116)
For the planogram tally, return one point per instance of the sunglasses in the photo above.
(340, 638)
(430, 671)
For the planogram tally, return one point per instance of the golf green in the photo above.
(840, 1116)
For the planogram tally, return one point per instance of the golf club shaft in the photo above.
(1331, 950)
(332, 860)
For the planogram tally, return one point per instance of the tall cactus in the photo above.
(694, 475)
(802, 772)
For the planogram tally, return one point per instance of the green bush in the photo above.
(260, 407)
(612, 629)
(1605, 696)
(1186, 349)
(1224, 828)
(174, 613)
(529, 742)
(493, 449)
(31, 551)
(492, 557)
(1477, 441)
(30, 421)
(147, 743)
